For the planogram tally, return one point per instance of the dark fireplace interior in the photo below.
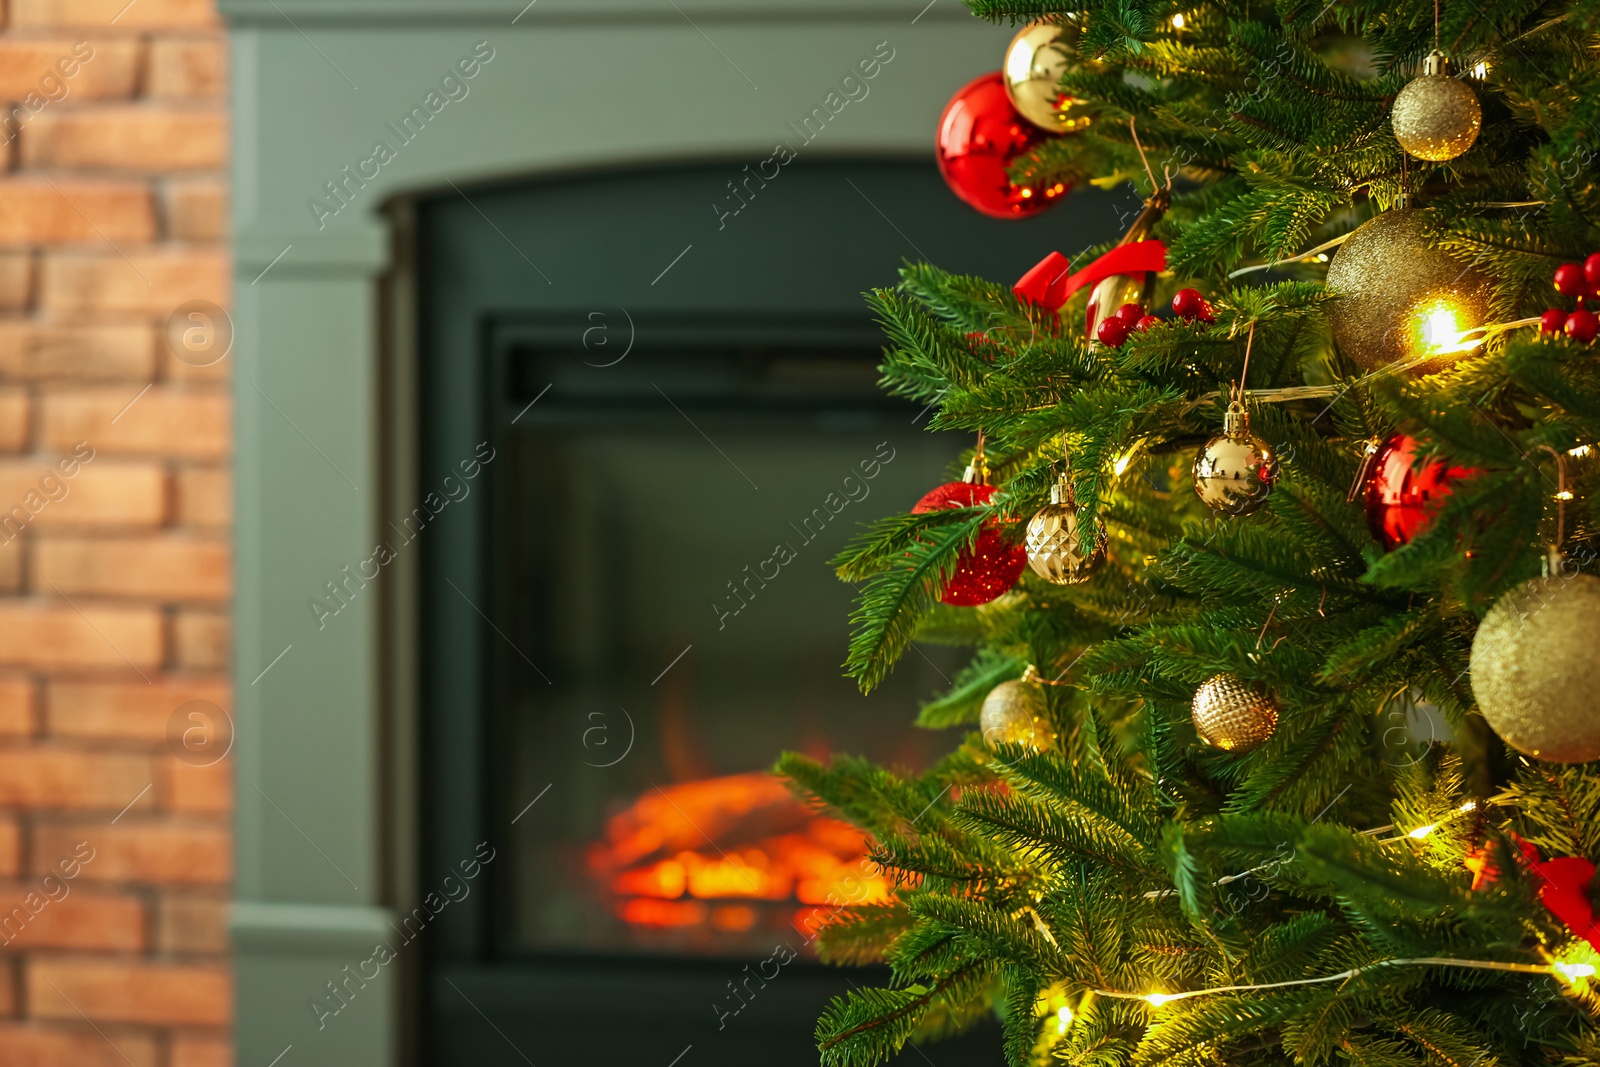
(627, 612)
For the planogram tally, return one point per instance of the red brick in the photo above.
(98, 14)
(163, 421)
(190, 1050)
(201, 639)
(103, 492)
(119, 991)
(30, 1045)
(187, 68)
(82, 919)
(130, 711)
(56, 634)
(38, 351)
(109, 71)
(196, 789)
(191, 923)
(143, 852)
(205, 496)
(14, 428)
(42, 777)
(127, 137)
(16, 280)
(10, 850)
(16, 706)
(39, 211)
(161, 567)
(197, 209)
(147, 282)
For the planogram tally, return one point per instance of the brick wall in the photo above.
(114, 595)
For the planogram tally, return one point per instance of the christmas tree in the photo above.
(1286, 734)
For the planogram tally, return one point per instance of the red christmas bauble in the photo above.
(1145, 323)
(992, 565)
(1402, 499)
(980, 135)
(1591, 270)
(1570, 281)
(1552, 321)
(1112, 332)
(1188, 303)
(1130, 314)
(1582, 325)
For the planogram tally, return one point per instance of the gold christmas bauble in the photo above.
(1013, 714)
(1233, 716)
(1035, 61)
(1234, 471)
(1533, 666)
(1436, 116)
(1400, 297)
(1060, 549)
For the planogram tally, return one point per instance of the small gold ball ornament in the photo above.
(1060, 548)
(1234, 471)
(1013, 714)
(1533, 665)
(1401, 298)
(1035, 61)
(1436, 116)
(1233, 716)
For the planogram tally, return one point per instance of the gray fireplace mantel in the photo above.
(573, 86)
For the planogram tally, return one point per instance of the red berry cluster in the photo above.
(1580, 280)
(1188, 304)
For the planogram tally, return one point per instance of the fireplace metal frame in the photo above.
(325, 813)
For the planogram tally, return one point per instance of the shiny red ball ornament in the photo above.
(1188, 303)
(992, 565)
(1552, 321)
(1402, 499)
(1570, 280)
(1591, 270)
(1130, 314)
(1145, 323)
(1112, 332)
(1582, 325)
(980, 135)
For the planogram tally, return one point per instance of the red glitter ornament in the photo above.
(1112, 332)
(1582, 325)
(1552, 321)
(1402, 500)
(980, 135)
(1570, 281)
(993, 564)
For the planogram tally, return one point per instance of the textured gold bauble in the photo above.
(1013, 714)
(1035, 61)
(1234, 471)
(1060, 548)
(1436, 117)
(1533, 669)
(1401, 298)
(1233, 716)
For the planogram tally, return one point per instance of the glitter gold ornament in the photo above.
(1400, 297)
(1234, 471)
(1060, 549)
(1436, 116)
(1035, 60)
(1233, 716)
(1533, 668)
(1013, 714)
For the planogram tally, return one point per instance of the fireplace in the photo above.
(627, 612)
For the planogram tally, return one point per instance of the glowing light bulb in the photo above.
(1063, 1019)
(1159, 999)
(1423, 831)
(1573, 971)
(1178, 21)
(1565, 494)
(1122, 463)
(1580, 451)
(1439, 330)
(1480, 70)
(1322, 257)
(1471, 805)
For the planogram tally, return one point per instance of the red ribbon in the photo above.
(1049, 284)
(1564, 891)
